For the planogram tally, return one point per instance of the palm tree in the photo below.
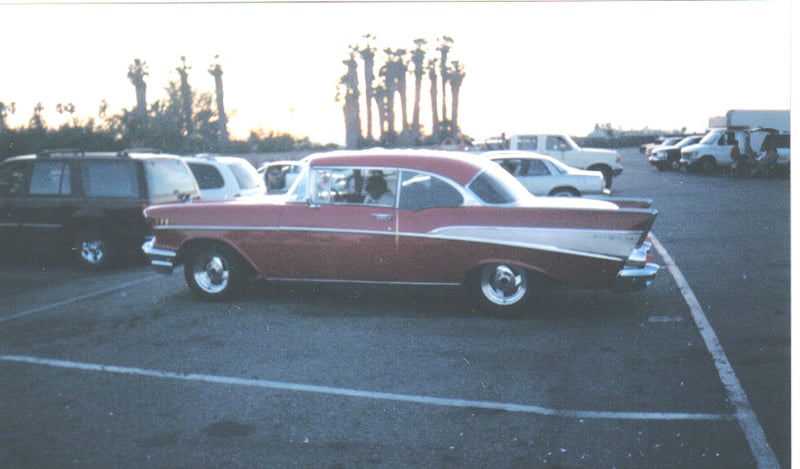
(434, 99)
(400, 71)
(222, 119)
(386, 98)
(368, 56)
(352, 118)
(418, 59)
(186, 96)
(3, 115)
(37, 121)
(136, 73)
(444, 48)
(457, 75)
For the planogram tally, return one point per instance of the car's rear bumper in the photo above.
(162, 260)
(636, 278)
(637, 272)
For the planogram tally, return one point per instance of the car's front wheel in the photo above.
(708, 165)
(213, 272)
(502, 288)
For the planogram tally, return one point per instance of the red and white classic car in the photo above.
(406, 217)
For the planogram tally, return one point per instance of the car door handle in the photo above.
(382, 216)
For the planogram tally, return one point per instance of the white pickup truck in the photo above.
(563, 148)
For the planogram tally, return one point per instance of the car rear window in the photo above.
(169, 179)
(247, 178)
(109, 179)
(207, 176)
(496, 186)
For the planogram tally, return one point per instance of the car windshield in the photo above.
(711, 137)
(496, 186)
(686, 141)
(299, 190)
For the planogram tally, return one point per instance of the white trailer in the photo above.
(744, 118)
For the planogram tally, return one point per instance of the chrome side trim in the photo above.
(611, 245)
(362, 282)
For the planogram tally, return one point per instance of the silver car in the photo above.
(543, 175)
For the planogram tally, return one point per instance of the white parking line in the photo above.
(753, 432)
(39, 309)
(345, 392)
(744, 413)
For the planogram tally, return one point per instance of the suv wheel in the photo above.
(93, 248)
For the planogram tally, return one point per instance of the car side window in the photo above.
(207, 176)
(12, 178)
(420, 191)
(109, 179)
(555, 143)
(353, 186)
(510, 165)
(536, 168)
(527, 142)
(50, 178)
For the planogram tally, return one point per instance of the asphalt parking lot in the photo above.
(126, 369)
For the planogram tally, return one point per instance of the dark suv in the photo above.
(89, 202)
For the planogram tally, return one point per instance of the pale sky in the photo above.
(530, 66)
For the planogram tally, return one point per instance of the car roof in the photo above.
(218, 158)
(519, 154)
(458, 166)
(92, 155)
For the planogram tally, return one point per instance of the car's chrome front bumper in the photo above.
(637, 272)
(162, 260)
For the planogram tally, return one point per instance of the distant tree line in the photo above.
(386, 95)
(184, 122)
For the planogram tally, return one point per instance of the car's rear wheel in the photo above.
(93, 248)
(565, 192)
(502, 288)
(213, 271)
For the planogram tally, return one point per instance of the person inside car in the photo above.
(378, 191)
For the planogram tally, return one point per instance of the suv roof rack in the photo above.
(127, 152)
(47, 153)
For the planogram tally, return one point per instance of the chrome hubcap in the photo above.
(211, 273)
(504, 285)
(92, 252)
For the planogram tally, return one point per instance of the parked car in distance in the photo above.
(667, 142)
(279, 175)
(665, 157)
(88, 202)
(562, 147)
(543, 175)
(225, 177)
(438, 218)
